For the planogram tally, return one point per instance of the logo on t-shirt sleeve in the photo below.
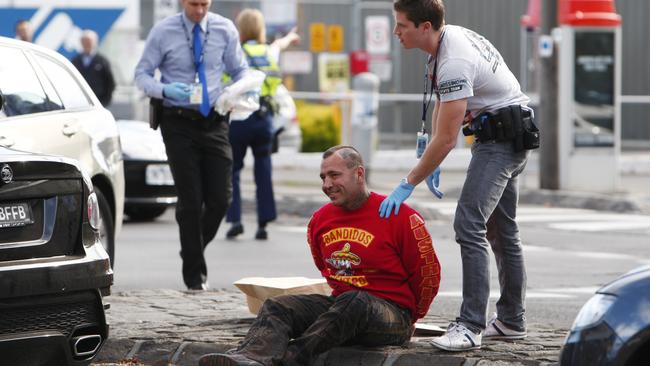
(451, 86)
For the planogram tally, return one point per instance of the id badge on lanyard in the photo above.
(421, 142)
(196, 96)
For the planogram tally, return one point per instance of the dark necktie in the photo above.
(200, 69)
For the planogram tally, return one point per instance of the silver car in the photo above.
(47, 107)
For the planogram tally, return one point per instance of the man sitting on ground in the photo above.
(384, 276)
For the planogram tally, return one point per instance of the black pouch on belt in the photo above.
(518, 128)
(501, 123)
(531, 133)
(482, 128)
(155, 112)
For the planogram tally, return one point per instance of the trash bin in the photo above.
(364, 116)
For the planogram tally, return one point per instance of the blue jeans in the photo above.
(485, 217)
(293, 330)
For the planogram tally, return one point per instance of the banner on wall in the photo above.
(57, 24)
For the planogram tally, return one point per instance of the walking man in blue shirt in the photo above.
(192, 50)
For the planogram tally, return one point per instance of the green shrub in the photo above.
(320, 125)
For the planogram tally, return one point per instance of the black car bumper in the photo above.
(52, 309)
(58, 329)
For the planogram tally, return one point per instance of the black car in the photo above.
(54, 271)
(613, 327)
(149, 183)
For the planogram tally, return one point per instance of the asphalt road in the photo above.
(569, 254)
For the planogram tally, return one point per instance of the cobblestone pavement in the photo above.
(169, 327)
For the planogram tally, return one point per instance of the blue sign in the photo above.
(61, 28)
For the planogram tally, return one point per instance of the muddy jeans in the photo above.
(485, 217)
(293, 330)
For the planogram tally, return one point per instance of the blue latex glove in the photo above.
(433, 182)
(395, 199)
(178, 91)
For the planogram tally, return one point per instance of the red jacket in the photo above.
(390, 258)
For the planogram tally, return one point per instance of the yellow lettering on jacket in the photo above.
(356, 281)
(415, 221)
(348, 234)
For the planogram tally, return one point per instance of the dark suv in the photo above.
(54, 271)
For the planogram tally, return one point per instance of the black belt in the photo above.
(498, 126)
(193, 114)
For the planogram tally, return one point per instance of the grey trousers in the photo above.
(485, 217)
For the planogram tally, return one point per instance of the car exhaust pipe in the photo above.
(86, 345)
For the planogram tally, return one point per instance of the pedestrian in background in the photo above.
(383, 275)
(192, 50)
(95, 68)
(257, 130)
(23, 30)
(472, 84)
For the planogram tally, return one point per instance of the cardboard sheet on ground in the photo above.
(258, 289)
(427, 330)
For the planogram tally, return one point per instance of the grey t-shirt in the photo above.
(469, 66)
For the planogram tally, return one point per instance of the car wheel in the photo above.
(106, 226)
(144, 213)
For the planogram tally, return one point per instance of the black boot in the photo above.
(261, 233)
(236, 229)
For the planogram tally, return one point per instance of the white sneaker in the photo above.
(497, 330)
(457, 338)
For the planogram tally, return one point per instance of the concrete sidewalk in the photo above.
(168, 327)
(296, 175)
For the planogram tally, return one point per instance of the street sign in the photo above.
(317, 36)
(296, 62)
(545, 46)
(333, 72)
(382, 66)
(335, 38)
(378, 34)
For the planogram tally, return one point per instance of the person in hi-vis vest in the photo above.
(257, 130)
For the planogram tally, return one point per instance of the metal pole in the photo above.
(549, 168)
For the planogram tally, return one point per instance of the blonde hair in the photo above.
(250, 23)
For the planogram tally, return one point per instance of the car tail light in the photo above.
(93, 211)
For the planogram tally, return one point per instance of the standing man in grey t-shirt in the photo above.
(192, 50)
(472, 85)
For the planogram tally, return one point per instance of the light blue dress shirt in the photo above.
(169, 50)
(87, 59)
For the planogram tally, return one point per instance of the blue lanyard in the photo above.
(189, 42)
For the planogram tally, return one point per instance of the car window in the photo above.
(21, 89)
(47, 86)
(64, 82)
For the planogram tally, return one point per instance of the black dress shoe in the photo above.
(261, 234)
(235, 229)
(222, 359)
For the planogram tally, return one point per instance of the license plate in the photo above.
(159, 175)
(15, 214)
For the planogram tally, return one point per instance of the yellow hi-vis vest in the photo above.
(258, 58)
